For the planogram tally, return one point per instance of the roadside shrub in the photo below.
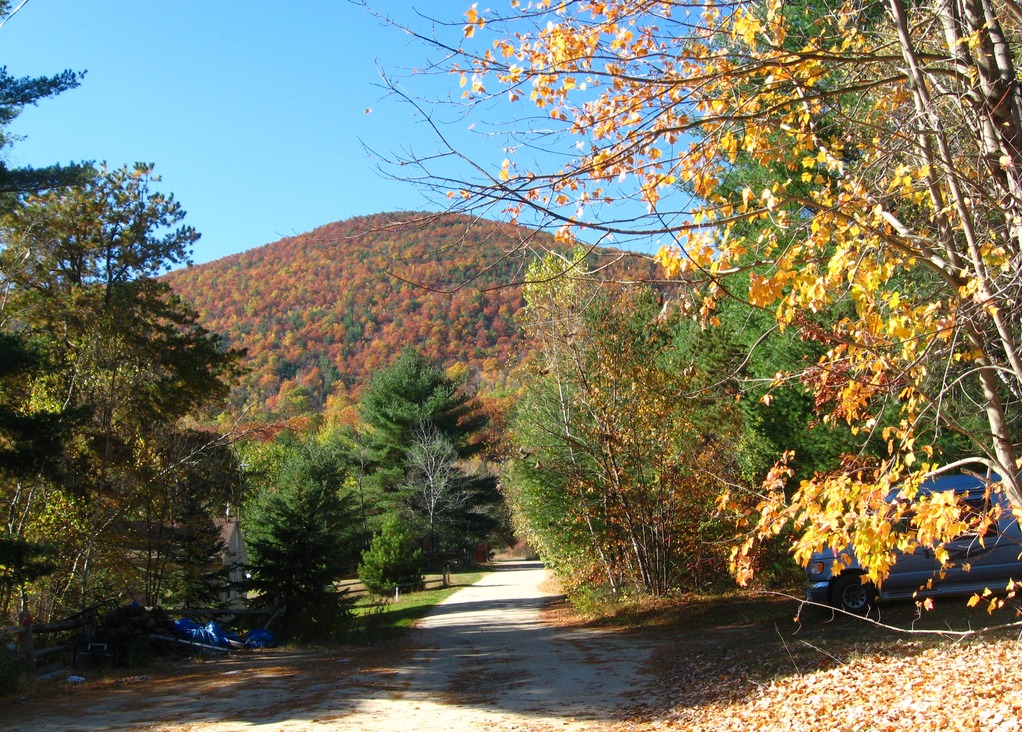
(394, 558)
(593, 600)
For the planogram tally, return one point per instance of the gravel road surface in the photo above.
(482, 660)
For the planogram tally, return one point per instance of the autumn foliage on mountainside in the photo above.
(320, 311)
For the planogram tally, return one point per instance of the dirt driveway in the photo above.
(483, 660)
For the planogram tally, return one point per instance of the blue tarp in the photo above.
(211, 634)
(260, 638)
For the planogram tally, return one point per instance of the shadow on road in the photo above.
(485, 653)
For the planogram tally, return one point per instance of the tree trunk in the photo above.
(993, 102)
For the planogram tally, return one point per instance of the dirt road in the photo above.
(483, 660)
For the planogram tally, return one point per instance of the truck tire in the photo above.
(853, 593)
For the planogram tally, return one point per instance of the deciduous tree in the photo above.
(619, 457)
(169, 550)
(434, 483)
(878, 209)
(77, 266)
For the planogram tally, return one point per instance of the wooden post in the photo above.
(91, 621)
(25, 640)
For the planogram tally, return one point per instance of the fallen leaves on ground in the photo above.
(900, 686)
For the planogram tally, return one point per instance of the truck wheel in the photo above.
(853, 593)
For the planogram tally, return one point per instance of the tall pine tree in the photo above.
(412, 392)
(413, 397)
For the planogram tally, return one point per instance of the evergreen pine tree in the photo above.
(393, 559)
(404, 401)
(410, 392)
(16, 94)
(301, 537)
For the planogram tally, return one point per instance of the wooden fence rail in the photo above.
(443, 581)
(28, 629)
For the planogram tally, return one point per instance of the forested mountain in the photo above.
(320, 311)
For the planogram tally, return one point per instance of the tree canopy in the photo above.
(410, 392)
(302, 526)
(123, 362)
(617, 457)
(852, 169)
(423, 430)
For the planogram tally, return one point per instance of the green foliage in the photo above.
(455, 506)
(80, 265)
(393, 559)
(31, 439)
(358, 458)
(738, 361)
(22, 562)
(618, 458)
(16, 94)
(172, 540)
(413, 391)
(98, 361)
(422, 429)
(31, 446)
(198, 575)
(301, 533)
(122, 361)
(12, 671)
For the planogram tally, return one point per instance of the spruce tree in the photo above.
(413, 397)
(394, 559)
(301, 535)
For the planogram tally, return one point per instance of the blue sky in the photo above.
(253, 112)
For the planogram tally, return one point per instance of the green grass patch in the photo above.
(383, 618)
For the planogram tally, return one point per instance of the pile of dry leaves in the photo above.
(757, 678)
